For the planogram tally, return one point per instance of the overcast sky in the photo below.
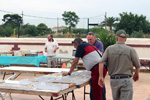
(94, 9)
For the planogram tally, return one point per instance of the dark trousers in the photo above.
(103, 92)
(96, 92)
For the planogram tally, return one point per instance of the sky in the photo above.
(50, 10)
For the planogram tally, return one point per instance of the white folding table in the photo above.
(34, 70)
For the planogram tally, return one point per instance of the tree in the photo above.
(42, 29)
(130, 23)
(110, 22)
(30, 30)
(106, 38)
(70, 19)
(12, 19)
(6, 31)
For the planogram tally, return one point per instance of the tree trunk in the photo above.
(110, 29)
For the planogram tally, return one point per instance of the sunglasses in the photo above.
(90, 33)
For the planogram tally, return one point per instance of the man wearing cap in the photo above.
(91, 58)
(120, 60)
(98, 44)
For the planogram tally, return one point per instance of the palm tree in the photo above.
(109, 22)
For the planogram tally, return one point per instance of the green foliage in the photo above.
(6, 30)
(80, 30)
(42, 29)
(30, 30)
(110, 22)
(70, 19)
(12, 19)
(137, 34)
(96, 30)
(130, 23)
(106, 38)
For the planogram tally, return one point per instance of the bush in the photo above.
(106, 38)
(138, 34)
(30, 30)
(6, 31)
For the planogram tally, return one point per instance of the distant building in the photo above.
(56, 29)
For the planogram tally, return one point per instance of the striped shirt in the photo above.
(88, 54)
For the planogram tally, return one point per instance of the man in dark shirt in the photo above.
(98, 44)
(92, 40)
(91, 58)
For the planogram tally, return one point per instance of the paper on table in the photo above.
(17, 86)
(52, 86)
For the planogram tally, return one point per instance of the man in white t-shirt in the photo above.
(50, 47)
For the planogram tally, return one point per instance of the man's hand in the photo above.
(54, 50)
(101, 81)
(135, 77)
(45, 49)
(65, 74)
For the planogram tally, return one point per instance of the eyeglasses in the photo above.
(90, 33)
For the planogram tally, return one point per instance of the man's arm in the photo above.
(136, 74)
(56, 49)
(101, 79)
(101, 65)
(45, 49)
(74, 64)
(56, 44)
(136, 63)
(100, 47)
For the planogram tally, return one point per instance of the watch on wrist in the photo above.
(69, 73)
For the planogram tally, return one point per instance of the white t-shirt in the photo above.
(51, 46)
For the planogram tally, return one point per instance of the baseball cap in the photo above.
(121, 33)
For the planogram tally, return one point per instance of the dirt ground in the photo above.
(141, 89)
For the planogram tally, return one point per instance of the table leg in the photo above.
(41, 97)
(2, 96)
(60, 63)
(63, 97)
(149, 66)
(10, 96)
(13, 77)
(51, 98)
(73, 96)
(84, 92)
(4, 75)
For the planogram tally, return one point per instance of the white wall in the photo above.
(143, 52)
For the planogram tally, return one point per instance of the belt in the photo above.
(120, 77)
(94, 67)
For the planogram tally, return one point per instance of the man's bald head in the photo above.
(91, 38)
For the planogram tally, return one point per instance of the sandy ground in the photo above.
(141, 89)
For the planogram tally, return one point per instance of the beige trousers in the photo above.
(51, 62)
(122, 89)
